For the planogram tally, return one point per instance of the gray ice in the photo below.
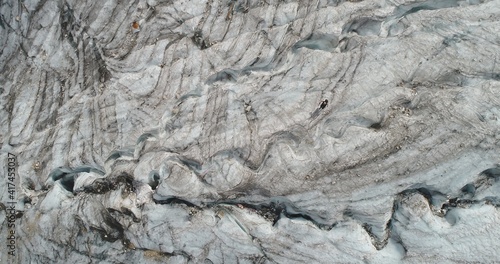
(193, 132)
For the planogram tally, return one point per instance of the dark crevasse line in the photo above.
(173, 200)
(271, 209)
(278, 207)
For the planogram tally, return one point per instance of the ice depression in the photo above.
(192, 132)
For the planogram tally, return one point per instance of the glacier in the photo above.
(198, 131)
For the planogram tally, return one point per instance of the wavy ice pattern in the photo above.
(194, 131)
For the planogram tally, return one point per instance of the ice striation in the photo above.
(247, 131)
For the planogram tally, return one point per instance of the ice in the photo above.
(195, 131)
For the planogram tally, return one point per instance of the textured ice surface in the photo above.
(192, 132)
